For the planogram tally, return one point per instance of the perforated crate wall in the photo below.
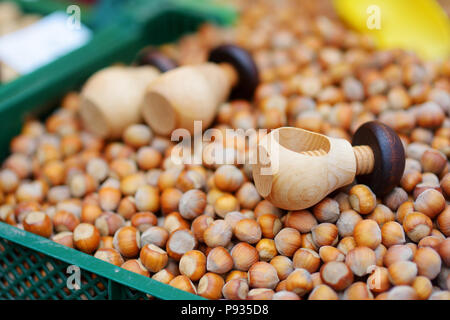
(32, 267)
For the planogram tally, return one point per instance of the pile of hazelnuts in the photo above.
(204, 228)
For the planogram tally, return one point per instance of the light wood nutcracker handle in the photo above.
(111, 99)
(296, 169)
(194, 93)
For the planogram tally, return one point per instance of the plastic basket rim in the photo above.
(90, 263)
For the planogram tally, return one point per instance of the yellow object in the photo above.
(418, 25)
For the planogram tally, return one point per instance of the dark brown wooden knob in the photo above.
(389, 156)
(243, 64)
(151, 56)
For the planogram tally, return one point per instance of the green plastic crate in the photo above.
(32, 267)
(44, 7)
(157, 22)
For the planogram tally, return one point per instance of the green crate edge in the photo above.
(136, 19)
(94, 265)
(44, 7)
(116, 42)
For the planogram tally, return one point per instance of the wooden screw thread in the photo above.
(230, 72)
(314, 153)
(364, 158)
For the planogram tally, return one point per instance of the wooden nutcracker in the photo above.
(189, 93)
(111, 98)
(296, 168)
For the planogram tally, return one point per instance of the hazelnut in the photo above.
(417, 226)
(266, 249)
(228, 178)
(86, 237)
(193, 264)
(270, 225)
(402, 272)
(143, 220)
(397, 253)
(170, 199)
(346, 244)
(236, 274)
(379, 281)
(236, 289)
(404, 209)
(362, 199)
(410, 180)
(361, 260)
(192, 204)
(395, 198)
(323, 292)
(65, 238)
(325, 234)
(248, 196)
(392, 233)
(299, 282)
(226, 203)
(90, 212)
(260, 294)
(358, 291)
(244, 256)
(262, 275)
(444, 251)
(301, 220)
(306, 259)
(285, 295)
(347, 221)
(109, 255)
(39, 223)
(287, 241)
(210, 286)
(183, 283)
(179, 242)
(127, 240)
(443, 221)
(146, 198)
(433, 161)
(219, 260)
(153, 258)
(327, 210)
(329, 253)
(164, 276)
(217, 234)
(127, 207)
(174, 221)
(199, 225)
(428, 262)
(336, 274)
(266, 207)
(190, 179)
(430, 202)
(248, 230)
(109, 198)
(135, 266)
(155, 235)
(108, 223)
(423, 287)
(401, 293)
